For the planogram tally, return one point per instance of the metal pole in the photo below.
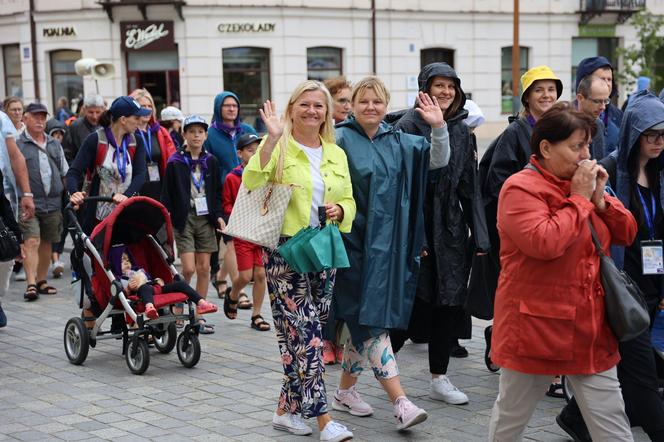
(373, 36)
(516, 61)
(33, 49)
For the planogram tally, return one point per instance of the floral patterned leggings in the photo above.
(378, 351)
(300, 309)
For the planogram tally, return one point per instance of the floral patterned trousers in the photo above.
(300, 307)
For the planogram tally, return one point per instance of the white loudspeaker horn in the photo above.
(92, 67)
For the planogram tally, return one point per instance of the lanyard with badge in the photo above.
(652, 252)
(121, 155)
(200, 203)
(153, 168)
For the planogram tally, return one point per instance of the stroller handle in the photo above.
(102, 199)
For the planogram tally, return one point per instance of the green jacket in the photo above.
(334, 169)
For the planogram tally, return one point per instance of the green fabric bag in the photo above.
(293, 253)
(326, 249)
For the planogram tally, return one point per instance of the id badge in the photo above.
(652, 257)
(153, 172)
(201, 206)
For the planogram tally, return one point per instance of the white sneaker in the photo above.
(408, 414)
(58, 269)
(351, 402)
(335, 432)
(443, 390)
(20, 276)
(290, 422)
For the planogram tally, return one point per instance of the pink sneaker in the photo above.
(407, 414)
(151, 312)
(329, 355)
(206, 307)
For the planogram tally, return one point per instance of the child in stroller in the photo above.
(137, 280)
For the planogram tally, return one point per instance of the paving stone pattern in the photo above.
(230, 395)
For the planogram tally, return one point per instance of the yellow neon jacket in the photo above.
(334, 170)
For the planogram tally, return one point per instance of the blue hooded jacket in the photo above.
(221, 144)
(644, 111)
(612, 116)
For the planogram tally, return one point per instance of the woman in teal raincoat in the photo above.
(388, 170)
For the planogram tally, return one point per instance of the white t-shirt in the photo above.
(315, 155)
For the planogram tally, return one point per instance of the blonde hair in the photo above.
(375, 84)
(136, 94)
(326, 130)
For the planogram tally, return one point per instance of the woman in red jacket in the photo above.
(158, 144)
(549, 310)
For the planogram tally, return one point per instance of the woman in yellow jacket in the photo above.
(299, 304)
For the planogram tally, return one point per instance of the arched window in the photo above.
(433, 55)
(323, 62)
(64, 81)
(247, 74)
(506, 75)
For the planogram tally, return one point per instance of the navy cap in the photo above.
(36, 108)
(126, 107)
(247, 139)
(194, 119)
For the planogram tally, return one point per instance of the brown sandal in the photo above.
(44, 289)
(243, 302)
(31, 293)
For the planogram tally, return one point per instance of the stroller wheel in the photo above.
(137, 355)
(166, 342)
(76, 340)
(189, 349)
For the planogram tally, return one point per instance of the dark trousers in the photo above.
(438, 323)
(146, 291)
(637, 373)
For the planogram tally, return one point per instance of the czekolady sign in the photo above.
(234, 28)
(147, 36)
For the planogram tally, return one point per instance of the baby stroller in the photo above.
(143, 225)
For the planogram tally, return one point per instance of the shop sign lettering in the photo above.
(137, 38)
(246, 27)
(60, 31)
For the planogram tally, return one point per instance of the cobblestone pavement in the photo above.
(230, 395)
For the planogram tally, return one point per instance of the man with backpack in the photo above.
(47, 167)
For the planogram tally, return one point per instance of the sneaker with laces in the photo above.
(58, 269)
(443, 390)
(408, 414)
(335, 432)
(351, 402)
(290, 422)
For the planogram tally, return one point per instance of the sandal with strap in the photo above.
(230, 306)
(31, 293)
(204, 328)
(44, 289)
(243, 302)
(220, 287)
(556, 389)
(260, 324)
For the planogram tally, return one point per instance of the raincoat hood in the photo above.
(590, 65)
(218, 101)
(440, 69)
(642, 84)
(54, 124)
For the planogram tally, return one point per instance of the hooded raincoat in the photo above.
(389, 175)
(220, 142)
(453, 202)
(612, 115)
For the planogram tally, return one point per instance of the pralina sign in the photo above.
(147, 36)
(59, 31)
(245, 27)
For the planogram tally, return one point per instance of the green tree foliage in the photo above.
(639, 60)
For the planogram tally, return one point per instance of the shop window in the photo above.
(247, 74)
(11, 57)
(506, 75)
(323, 62)
(65, 82)
(435, 55)
(592, 47)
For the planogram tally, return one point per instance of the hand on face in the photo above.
(584, 180)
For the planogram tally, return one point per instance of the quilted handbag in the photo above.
(258, 215)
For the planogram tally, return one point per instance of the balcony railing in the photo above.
(621, 9)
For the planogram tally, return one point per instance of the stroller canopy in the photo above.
(130, 222)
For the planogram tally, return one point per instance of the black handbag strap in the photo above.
(598, 245)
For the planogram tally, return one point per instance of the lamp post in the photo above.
(516, 61)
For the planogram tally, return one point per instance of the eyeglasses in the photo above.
(654, 137)
(599, 101)
(230, 106)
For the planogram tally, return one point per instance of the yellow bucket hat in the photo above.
(539, 73)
